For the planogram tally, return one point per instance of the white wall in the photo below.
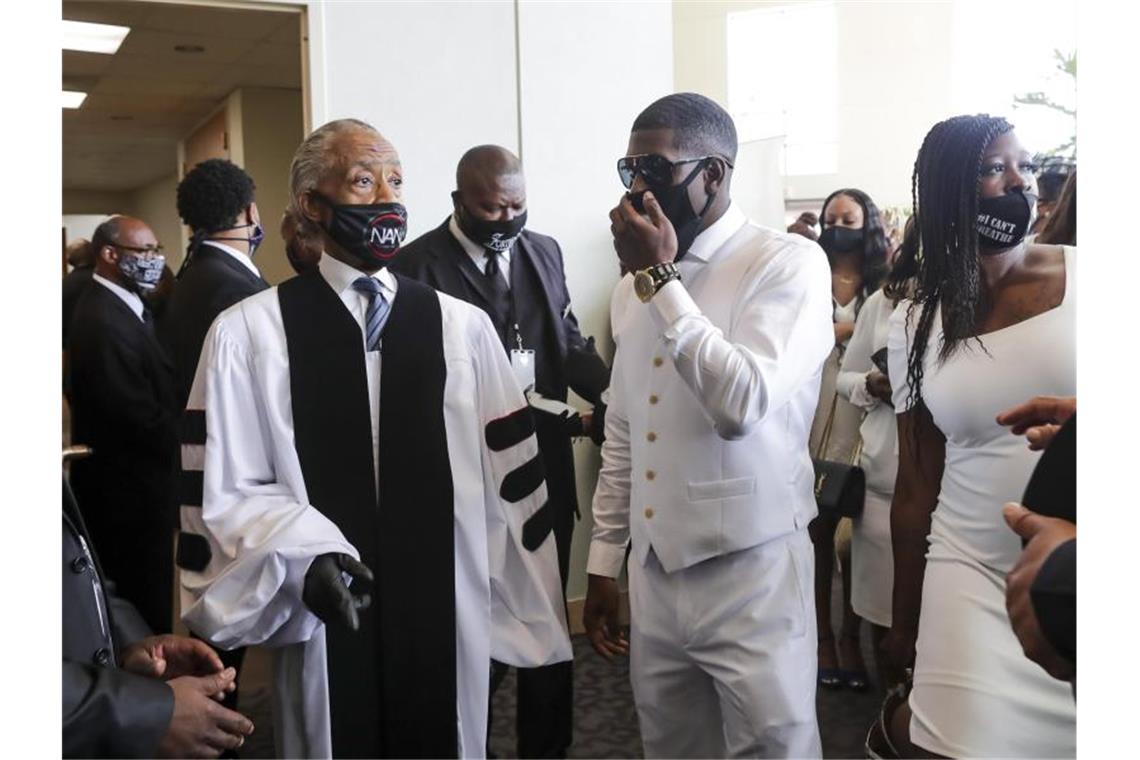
(82, 225)
(894, 84)
(434, 78)
(585, 77)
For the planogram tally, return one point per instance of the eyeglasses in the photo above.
(655, 169)
(157, 250)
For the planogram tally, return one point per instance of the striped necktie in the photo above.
(377, 313)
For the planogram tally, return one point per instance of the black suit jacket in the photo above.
(122, 406)
(75, 284)
(436, 258)
(107, 712)
(212, 282)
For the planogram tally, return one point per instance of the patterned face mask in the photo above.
(143, 271)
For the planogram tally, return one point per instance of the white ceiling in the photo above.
(146, 97)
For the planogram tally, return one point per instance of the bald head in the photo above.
(489, 185)
(485, 163)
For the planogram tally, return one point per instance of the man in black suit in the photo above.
(76, 281)
(122, 399)
(127, 693)
(215, 199)
(484, 255)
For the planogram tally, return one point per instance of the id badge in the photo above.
(522, 362)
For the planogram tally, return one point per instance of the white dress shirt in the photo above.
(130, 299)
(478, 253)
(713, 388)
(340, 277)
(245, 260)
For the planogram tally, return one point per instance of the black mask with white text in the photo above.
(1004, 220)
(494, 235)
(371, 233)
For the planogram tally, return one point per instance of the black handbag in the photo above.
(839, 486)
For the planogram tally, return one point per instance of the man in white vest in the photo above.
(721, 329)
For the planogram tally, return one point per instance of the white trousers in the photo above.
(723, 654)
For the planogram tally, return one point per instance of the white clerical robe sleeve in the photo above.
(528, 620)
(261, 531)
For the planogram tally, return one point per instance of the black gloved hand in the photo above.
(326, 594)
(598, 424)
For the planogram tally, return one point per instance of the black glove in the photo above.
(326, 594)
(598, 424)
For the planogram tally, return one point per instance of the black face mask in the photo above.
(841, 240)
(371, 233)
(674, 201)
(1004, 220)
(494, 236)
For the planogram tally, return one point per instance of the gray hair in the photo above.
(312, 161)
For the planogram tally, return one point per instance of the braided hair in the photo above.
(942, 258)
(873, 262)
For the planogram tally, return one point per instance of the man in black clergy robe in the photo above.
(363, 491)
(122, 406)
(483, 254)
(215, 200)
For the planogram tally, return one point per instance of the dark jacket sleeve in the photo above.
(127, 624)
(108, 712)
(586, 373)
(1054, 595)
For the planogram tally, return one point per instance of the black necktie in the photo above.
(499, 292)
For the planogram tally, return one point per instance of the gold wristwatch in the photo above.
(647, 282)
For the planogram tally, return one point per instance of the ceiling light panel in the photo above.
(73, 99)
(93, 38)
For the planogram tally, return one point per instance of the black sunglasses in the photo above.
(655, 169)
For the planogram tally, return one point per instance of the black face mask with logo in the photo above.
(371, 233)
(494, 235)
(1004, 220)
(678, 209)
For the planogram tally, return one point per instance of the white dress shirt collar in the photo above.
(340, 276)
(243, 258)
(712, 239)
(476, 251)
(130, 299)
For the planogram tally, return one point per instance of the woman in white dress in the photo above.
(865, 386)
(856, 245)
(991, 323)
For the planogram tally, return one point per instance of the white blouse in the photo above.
(879, 430)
